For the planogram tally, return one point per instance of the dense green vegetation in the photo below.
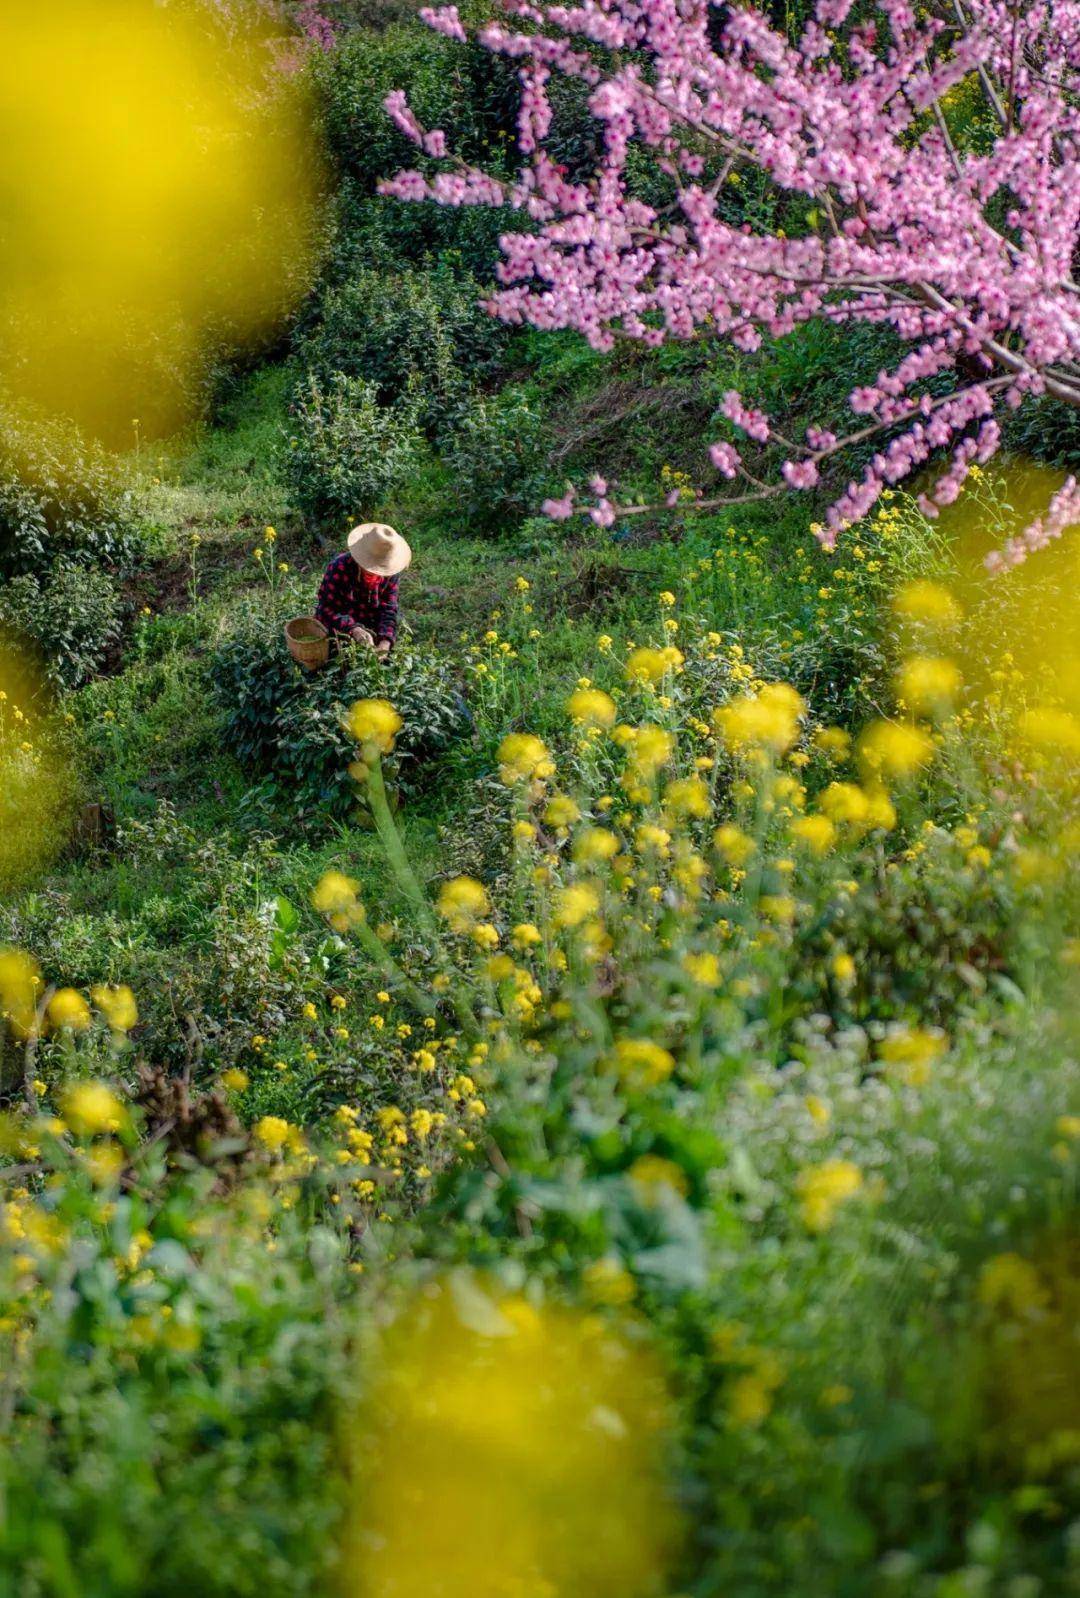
(694, 960)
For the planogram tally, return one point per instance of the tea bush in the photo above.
(288, 722)
(418, 336)
(59, 495)
(497, 458)
(70, 615)
(344, 451)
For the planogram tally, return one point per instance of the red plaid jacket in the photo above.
(350, 597)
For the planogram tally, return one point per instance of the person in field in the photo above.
(358, 596)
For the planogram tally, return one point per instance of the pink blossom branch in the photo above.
(909, 242)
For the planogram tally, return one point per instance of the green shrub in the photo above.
(288, 722)
(212, 1377)
(71, 614)
(417, 336)
(59, 495)
(496, 456)
(344, 450)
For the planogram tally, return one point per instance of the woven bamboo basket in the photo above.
(308, 642)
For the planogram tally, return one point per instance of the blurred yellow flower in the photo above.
(749, 1399)
(92, 1108)
(591, 707)
(766, 720)
(895, 748)
(607, 1282)
(652, 748)
(20, 985)
(476, 1479)
(1010, 1283)
(646, 665)
(928, 683)
(561, 811)
(272, 1132)
(234, 1080)
(375, 724)
(462, 903)
(735, 845)
(688, 796)
(911, 1052)
(576, 903)
(335, 895)
(1050, 731)
(652, 1175)
(68, 1011)
(927, 602)
(823, 1188)
(118, 1006)
(833, 741)
(594, 845)
(843, 968)
(862, 809)
(642, 1063)
(524, 758)
(816, 831)
(703, 968)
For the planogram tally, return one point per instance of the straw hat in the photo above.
(377, 548)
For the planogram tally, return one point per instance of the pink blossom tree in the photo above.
(965, 249)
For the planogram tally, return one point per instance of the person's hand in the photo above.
(360, 635)
(382, 648)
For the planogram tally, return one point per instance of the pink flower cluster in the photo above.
(965, 250)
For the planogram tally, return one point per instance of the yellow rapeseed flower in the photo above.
(335, 895)
(833, 741)
(823, 1189)
(374, 723)
(735, 845)
(928, 683)
(591, 707)
(561, 811)
(1050, 731)
(703, 968)
(861, 809)
(652, 1175)
(118, 1006)
(463, 902)
(843, 968)
(926, 602)
(92, 1109)
(895, 749)
(688, 796)
(652, 747)
(594, 845)
(68, 1011)
(272, 1132)
(20, 986)
(575, 904)
(607, 1282)
(766, 720)
(642, 1063)
(646, 665)
(1010, 1283)
(524, 758)
(816, 831)
(911, 1052)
